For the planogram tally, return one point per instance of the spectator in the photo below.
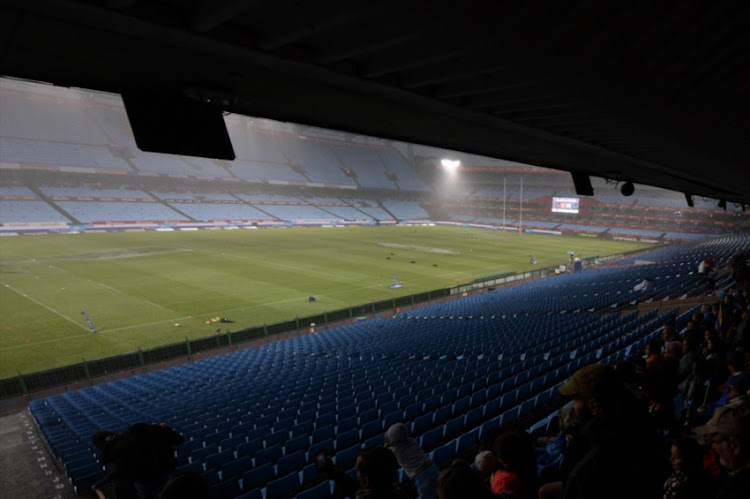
(622, 460)
(672, 344)
(741, 340)
(186, 486)
(122, 483)
(729, 431)
(689, 357)
(485, 462)
(660, 386)
(687, 481)
(654, 359)
(509, 451)
(736, 387)
(705, 269)
(416, 464)
(459, 481)
(375, 468)
(708, 313)
(739, 270)
(143, 456)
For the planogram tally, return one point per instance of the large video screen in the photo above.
(565, 205)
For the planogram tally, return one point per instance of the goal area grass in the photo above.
(147, 289)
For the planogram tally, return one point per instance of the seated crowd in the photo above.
(672, 421)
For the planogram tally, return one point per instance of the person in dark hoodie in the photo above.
(142, 455)
(416, 464)
(624, 450)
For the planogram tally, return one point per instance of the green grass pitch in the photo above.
(136, 286)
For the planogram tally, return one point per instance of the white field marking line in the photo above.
(134, 326)
(109, 287)
(303, 270)
(250, 307)
(45, 306)
(160, 306)
(149, 302)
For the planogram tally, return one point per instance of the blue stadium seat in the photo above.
(216, 461)
(371, 429)
(249, 448)
(346, 458)
(466, 441)
(492, 408)
(450, 395)
(323, 433)
(454, 427)
(252, 494)
(283, 424)
(412, 411)
(368, 415)
(215, 438)
(346, 411)
(473, 417)
(282, 487)
(303, 428)
(406, 400)
(460, 406)
(421, 424)
(443, 454)
(196, 467)
(268, 455)
(324, 446)
(291, 462)
(393, 418)
(525, 408)
(276, 438)
(432, 438)
(346, 424)
(301, 442)
(232, 442)
(478, 398)
(388, 407)
(258, 477)
(431, 403)
(375, 441)
(236, 467)
(442, 414)
(226, 489)
(320, 491)
(310, 475)
(201, 453)
(325, 419)
(347, 439)
(366, 404)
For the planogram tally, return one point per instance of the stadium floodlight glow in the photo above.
(450, 165)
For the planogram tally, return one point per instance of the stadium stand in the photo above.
(452, 371)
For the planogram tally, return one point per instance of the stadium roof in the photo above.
(654, 92)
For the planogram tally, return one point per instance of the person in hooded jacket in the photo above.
(415, 462)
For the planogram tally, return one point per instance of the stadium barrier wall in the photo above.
(88, 372)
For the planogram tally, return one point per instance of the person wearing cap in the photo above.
(624, 448)
(729, 431)
(735, 392)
